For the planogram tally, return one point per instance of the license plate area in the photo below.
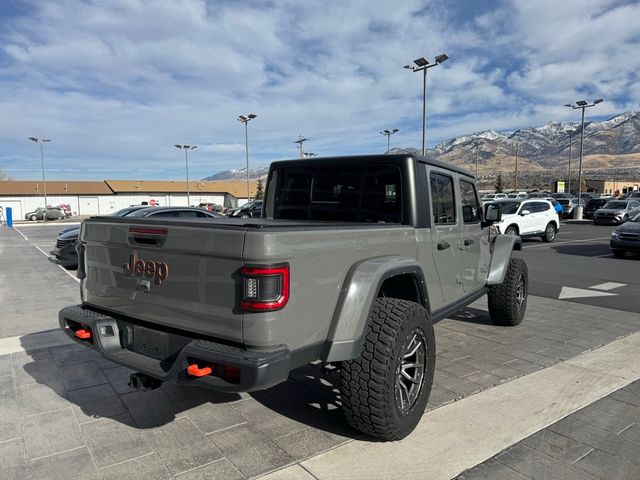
(151, 343)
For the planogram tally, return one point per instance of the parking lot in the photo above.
(555, 392)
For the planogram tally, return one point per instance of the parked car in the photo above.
(615, 211)
(52, 213)
(626, 238)
(632, 195)
(592, 205)
(568, 205)
(560, 195)
(488, 197)
(65, 253)
(517, 196)
(248, 210)
(529, 218)
(557, 207)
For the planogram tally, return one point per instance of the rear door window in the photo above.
(470, 204)
(443, 204)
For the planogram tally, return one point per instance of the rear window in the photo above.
(614, 205)
(353, 193)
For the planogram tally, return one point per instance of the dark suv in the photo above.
(593, 205)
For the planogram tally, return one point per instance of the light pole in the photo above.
(477, 145)
(246, 119)
(515, 181)
(300, 141)
(186, 149)
(41, 141)
(422, 65)
(388, 134)
(571, 132)
(582, 104)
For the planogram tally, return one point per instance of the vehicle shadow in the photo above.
(58, 376)
(473, 315)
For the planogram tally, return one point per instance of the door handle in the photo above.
(443, 245)
(468, 241)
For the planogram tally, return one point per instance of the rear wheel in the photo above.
(508, 301)
(618, 253)
(549, 233)
(384, 391)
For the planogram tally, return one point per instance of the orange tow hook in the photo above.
(83, 334)
(196, 371)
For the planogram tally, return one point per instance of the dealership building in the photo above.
(105, 197)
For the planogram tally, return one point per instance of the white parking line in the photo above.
(59, 266)
(565, 242)
(23, 235)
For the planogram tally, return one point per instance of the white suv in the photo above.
(529, 218)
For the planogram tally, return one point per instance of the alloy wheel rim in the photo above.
(521, 292)
(410, 370)
(550, 232)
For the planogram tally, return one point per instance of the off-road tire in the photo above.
(504, 307)
(549, 233)
(618, 253)
(511, 230)
(368, 383)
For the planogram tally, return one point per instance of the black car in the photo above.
(593, 205)
(65, 253)
(250, 209)
(626, 238)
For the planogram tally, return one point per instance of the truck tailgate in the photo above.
(179, 274)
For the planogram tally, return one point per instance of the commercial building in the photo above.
(608, 187)
(104, 197)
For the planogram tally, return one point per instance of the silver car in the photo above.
(615, 211)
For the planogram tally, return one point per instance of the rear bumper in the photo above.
(114, 338)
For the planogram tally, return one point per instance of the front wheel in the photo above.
(384, 392)
(508, 301)
(511, 230)
(549, 233)
(34, 218)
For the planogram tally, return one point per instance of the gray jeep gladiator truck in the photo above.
(352, 262)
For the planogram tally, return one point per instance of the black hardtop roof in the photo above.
(394, 159)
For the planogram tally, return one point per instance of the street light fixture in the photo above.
(581, 104)
(41, 141)
(245, 119)
(388, 134)
(422, 65)
(186, 148)
(300, 141)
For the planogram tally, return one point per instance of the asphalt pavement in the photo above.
(579, 267)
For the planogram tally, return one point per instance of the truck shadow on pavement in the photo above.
(588, 250)
(53, 378)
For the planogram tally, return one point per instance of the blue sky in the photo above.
(116, 84)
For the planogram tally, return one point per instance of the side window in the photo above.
(443, 202)
(634, 205)
(201, 215)
(167, 213)
(470, 205)
(187, 214)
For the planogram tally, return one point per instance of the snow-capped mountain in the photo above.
(254, 173)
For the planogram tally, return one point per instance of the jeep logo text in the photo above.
(138, 267)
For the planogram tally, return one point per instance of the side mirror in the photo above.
(525, 212)
(492, 214)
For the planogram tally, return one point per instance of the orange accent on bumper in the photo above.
(196, 371)
(83, 334)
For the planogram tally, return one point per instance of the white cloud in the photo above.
(117, 84)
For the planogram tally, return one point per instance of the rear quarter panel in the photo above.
(320, 260)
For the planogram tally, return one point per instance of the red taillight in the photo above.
(264, 288)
